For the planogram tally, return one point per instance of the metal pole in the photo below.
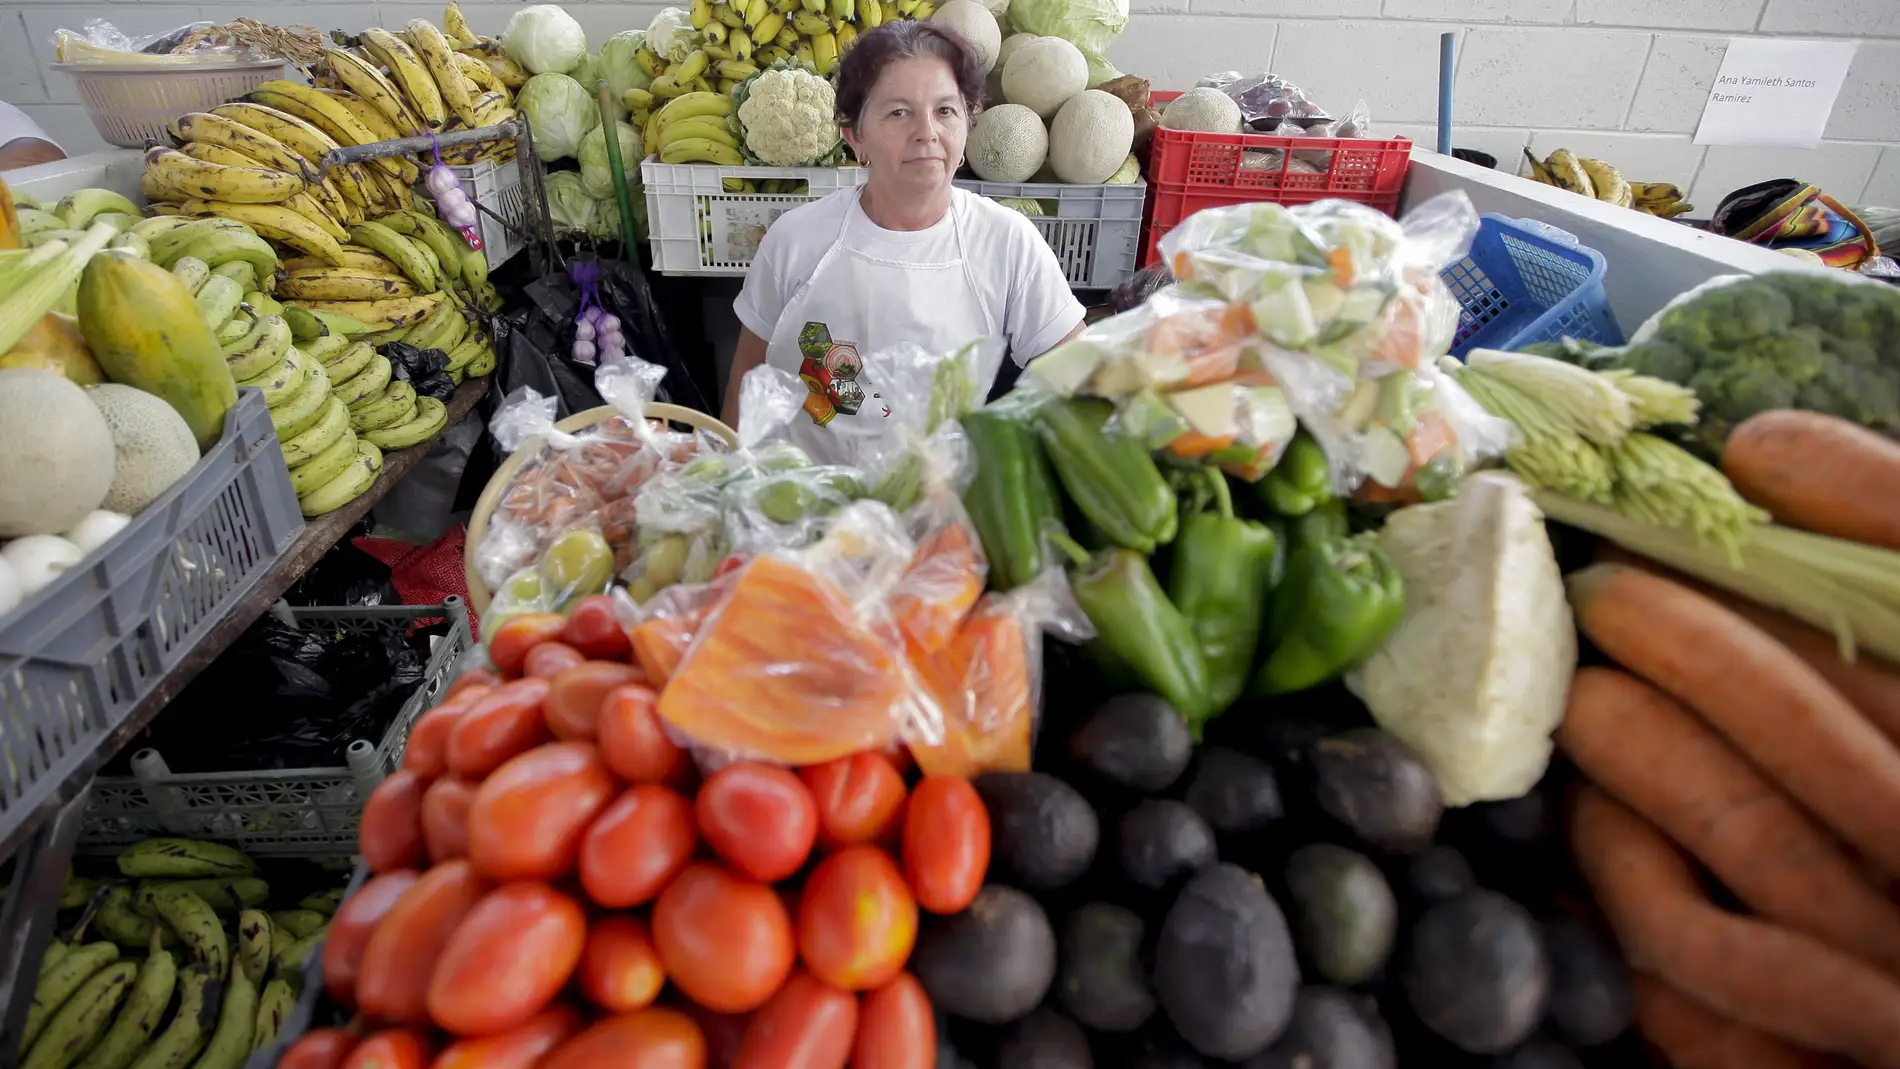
(1447, 73)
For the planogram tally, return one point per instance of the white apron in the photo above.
(854, 305)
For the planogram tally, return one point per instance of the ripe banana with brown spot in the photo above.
(213, 129)
(1607, 182)
(215, 181)
(368, 82)
(418, 88)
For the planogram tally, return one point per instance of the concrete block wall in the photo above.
(1624, 80)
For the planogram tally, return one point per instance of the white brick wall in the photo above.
(1620, 79)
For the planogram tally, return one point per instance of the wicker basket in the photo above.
(580, 421)
(133, 104)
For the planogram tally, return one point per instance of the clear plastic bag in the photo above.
(988, 679)
(1265, 97)
(1357, 123)
(1406, 436)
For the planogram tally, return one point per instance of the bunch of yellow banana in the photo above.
(743, 37)
(1600, 181)
(692, 129)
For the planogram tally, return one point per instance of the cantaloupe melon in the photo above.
(1205, 109)
(1090, 137)
(1008, 144)
(977, 27)
(152, 445)
(1009, 48)
(1043, 74)
(55, 451)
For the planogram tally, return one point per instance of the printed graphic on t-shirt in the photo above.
(830, 370)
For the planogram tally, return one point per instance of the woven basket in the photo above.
(580, 421)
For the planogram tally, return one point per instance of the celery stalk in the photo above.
(48, 285)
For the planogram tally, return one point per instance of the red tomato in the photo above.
(636, 846)
(508, 647)
(620, 970)
(898, 755)
(573, 702)
(594, 629)
(547, 659)
(355, 921)
(393, 1048)
(807, 1025)
(650, 1039)
(473, 677)
(510, 957)
(445, 818)
(390, 836)
(427, 749)
(527, 818)
(946, 843)
(856, 919)
(319, 1048)
(896, 1028)
(723, 1032)
(726, 941)
(519, 1047)
(392, 981)
(858, 797)
(498, 726)
(759, 818)
(632, 740)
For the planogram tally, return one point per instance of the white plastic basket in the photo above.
(132, 104)
(497, 187)
(695, 227)
(1095, 230)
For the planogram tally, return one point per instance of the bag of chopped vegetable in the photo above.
(988, 679)
(548, 494)
(1409, 436)
(799, 660)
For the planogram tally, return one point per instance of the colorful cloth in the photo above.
(1786, 214)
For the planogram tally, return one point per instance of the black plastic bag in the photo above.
(345, 575)
(427, 370)
(1138, 287)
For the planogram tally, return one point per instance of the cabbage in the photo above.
(569, 206)
(671, 35)
(596, 176)
(617, 62)
(545, 40)
(1090, 25)
(587, 72)
(560, 112)
(606, 224)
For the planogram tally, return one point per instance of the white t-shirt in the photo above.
(1017, 274)
(16, 124)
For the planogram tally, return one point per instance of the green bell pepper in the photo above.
(1139, 627)
(1013, 499)
(1300, 482)
(1109, 475)
(1339, 601)
(1220, 578)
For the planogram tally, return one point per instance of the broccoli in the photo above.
(1793, 339)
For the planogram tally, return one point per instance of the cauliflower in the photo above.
(671, 35)
(788, 118)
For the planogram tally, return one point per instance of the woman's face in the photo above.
(914, 126)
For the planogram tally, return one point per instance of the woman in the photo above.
(905, 257)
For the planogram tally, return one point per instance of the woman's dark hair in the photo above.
(865, 63)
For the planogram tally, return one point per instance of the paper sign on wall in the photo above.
(1774, 92)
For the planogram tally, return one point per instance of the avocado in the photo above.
(1045, 1040)
(1374, 785)
(1168, 1055)
(1101, 981)
(1476, 973)
(993, 962)
(1043, 833)
(1136, 740)
(1164, 841)
(1539, 1052)
(1592, 1000)
(1224, 969)
(1436, 875)
(1330, 1030)
(1233, 792)
(1343, 912)
(1524, 821)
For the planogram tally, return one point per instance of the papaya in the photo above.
(144, 329)
(55, 344)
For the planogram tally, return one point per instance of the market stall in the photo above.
(1349, 650)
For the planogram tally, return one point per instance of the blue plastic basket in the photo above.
(1527, 282)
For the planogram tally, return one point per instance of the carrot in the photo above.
(1819, 473)
(940, 587)
(1757, 973)
(1776, 709)
(1650, 753)
(1692, 1036)
(982, 685)
(1872, 684)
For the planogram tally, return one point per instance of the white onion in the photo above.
(612, 339)
(464, 217)
(451, 199)
(96, 530)
(583, 331)
(37, 560)
(609, 322)
(441, 180)
(584, 351)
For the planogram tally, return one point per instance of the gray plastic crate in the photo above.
(77, 656)
(300, 812)
(1095, 230)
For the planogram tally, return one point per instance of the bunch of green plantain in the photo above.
(218, 974)
(1600, 181)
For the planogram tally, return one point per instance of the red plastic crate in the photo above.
(1168, 205)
